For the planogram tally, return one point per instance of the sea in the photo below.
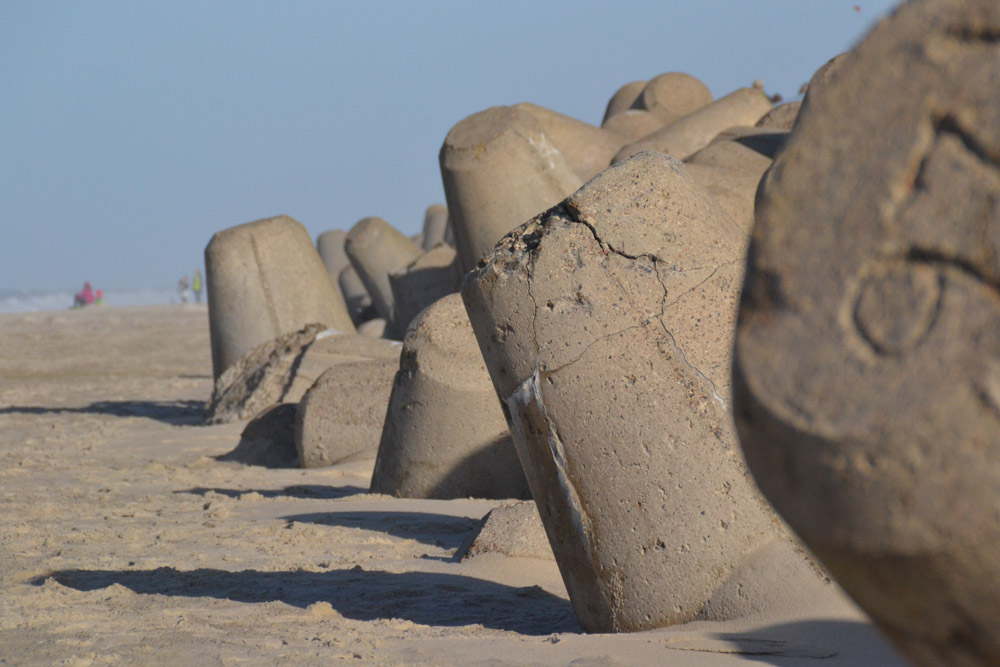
(27, 300)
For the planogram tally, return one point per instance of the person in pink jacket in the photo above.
(84, 297)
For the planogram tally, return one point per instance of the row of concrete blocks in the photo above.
(444, 433)
(606, 326)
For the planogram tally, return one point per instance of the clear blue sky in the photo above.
(130, 132)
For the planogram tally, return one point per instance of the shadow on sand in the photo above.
(421, 597)
(176, 413)
(442, 530)
(303, 491)
(843, 641)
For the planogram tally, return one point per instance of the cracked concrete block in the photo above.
(781, 117)
(513, 530)
(606, 325)
(331, 250)
(356, 297)
(732, 189)
(499, 168)
(265, 279)
(587, 148)
(867, 359)
(428, 278)
(435, 225)
(749, 149)
(623, 99)
(282, 369)
(376, 249)
(673, 95)
(340, 417)
(633, 124)
(445, 435)
(690, 133)
(259, 379)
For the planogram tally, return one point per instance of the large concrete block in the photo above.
(435, 226)
(781, 117)
(356, 298)
(673, 95)
(588, 149)
(428, 278)
(499, 168)
(376, 249)
(732, 189)
(265, 279)
(623, 99)
(867, 363)
(633, 124)
(606, 325)
(331, 250)
(340, 417)
(445, 435)
(749, 149)
(692, 132)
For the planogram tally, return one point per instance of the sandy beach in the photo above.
(125, 538)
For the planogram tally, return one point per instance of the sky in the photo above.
(130, 132)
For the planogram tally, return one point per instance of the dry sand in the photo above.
(123, 538)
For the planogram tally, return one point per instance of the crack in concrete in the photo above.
(715, 391)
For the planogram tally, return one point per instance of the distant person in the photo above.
(84, 297)
(182, 289)
(196, 285)
(99, 301)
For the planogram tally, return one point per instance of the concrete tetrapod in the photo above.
(331, 250)
(445, 435)
(340, 417)
(499, 168)
(428, 278)
(435, 225)
(376, 249)
(673, 95)
(606, 326)
(867, 360)
(265, 279)
(692, 132)
(623, 99)
(588, 149)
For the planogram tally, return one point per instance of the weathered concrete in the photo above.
(356, 297)
(373, 328)
(749, 149)
(623, 99)
(445, 435)
(340, 417)
(259, 378)
(673, 95)
(732, 189)
(514, 529)
(633, 124)
(428, 278)
(683, 137)
(264, 279)
(499, 168)
(376, 249)
(606, 326)
(867, 363)
(781, 117)
(282, 369)
(587, 148)
(331, 250)
(435, 226)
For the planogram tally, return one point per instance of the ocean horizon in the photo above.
(26, 300)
